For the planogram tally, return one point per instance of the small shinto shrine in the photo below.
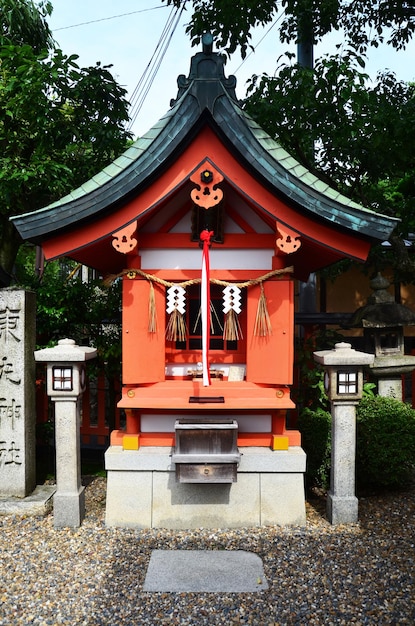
(208, 222)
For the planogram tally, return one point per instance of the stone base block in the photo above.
(69, 509)
(342, 509)
(142, 491)
(39, 502)
(129, 499)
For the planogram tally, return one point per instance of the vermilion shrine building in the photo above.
(208, 222)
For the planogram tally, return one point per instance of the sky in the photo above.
(125, 34)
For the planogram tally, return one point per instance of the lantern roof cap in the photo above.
(66, 350)
(343, 355)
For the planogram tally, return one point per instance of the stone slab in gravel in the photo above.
(222, 571)
(39, 502)
(359, 574)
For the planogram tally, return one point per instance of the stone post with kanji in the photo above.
(17, 393)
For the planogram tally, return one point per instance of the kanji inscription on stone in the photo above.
(17, 393)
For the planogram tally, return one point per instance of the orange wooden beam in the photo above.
(255, 194)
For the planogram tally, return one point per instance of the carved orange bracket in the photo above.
(288, 241)
(123, 240)
(207, 194)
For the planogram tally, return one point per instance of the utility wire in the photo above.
(259, 42)
(146, 81)
(104, 19)
(135, 93)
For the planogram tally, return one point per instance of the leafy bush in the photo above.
(385, 443)
(385, 447)
(315, 427)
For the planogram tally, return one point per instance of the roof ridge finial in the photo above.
(207, 43)
(207, 76)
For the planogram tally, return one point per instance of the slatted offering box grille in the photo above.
(206, 451)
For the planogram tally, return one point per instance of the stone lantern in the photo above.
(383, 321)
(344, 385)
(65, 386)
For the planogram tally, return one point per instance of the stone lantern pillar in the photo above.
(344, 385)
(65, 385)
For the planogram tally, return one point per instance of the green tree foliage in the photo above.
(26, 23)
(59, 123)
(364, 22)
(315, 428)
(354, 134)
(308, 390)
(86, 311)
(67, 306)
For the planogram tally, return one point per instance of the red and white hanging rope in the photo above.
(205, 237)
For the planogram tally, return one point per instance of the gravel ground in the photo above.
(356, 574)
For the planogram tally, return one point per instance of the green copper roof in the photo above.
(116, 167)
(206, 96)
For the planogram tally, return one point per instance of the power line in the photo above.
(259, 42)
(112, 17)
(134, 95)
(146, 81)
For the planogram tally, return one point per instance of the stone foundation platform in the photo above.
(142, 491)
(39, 502)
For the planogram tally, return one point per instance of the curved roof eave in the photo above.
(134, 169)
(149, 156)
(282, 173)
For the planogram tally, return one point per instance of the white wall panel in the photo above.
(231, 259)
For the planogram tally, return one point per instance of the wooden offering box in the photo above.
(206, 451)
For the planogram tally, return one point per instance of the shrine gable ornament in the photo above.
(124, 241)
(207, 193)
